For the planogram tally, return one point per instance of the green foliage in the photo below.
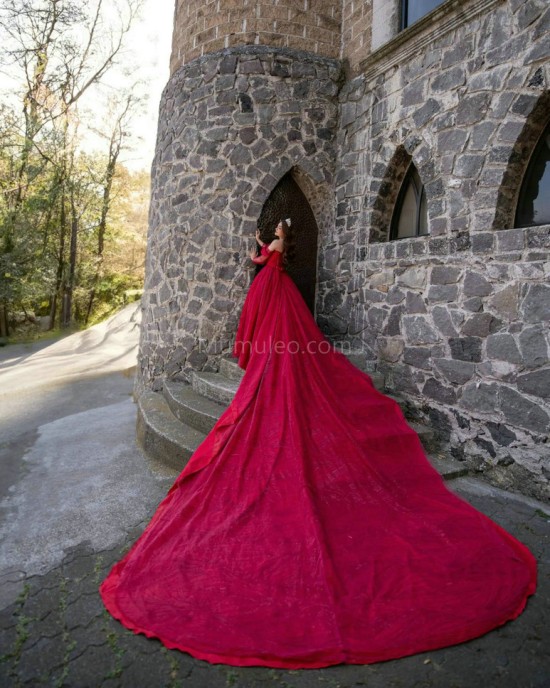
(72, 224)
(34, 244)
(113, 292)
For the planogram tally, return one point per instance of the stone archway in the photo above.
(288, 200)
(519, 155)
(385, 201)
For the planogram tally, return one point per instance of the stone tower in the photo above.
(247, 133)
(333, 113)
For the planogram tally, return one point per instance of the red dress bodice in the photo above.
(273, 259)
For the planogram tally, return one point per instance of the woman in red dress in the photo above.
(309, 528)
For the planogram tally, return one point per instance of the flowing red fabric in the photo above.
(309, 528)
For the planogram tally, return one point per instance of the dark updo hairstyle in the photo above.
(289, 244)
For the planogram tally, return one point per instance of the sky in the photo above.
(147, 53)
(150, 43)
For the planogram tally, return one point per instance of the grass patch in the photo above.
(118, 652)
(175, 681)
(65, 637)
(21, 634)
(48, 335)
(231, 678)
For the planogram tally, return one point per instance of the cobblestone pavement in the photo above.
(57, 632)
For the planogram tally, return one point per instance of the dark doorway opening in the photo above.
(288, 200)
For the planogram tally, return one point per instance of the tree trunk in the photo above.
(4, 328)
(59, 278)
(90, 304)
(114, 150)
(69, 284)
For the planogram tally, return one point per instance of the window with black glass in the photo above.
(413, 10)
(534, 197)
(410, 217)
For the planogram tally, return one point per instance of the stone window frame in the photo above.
(409, 178)
(387, 189)
(528, 182)
(386, 198)
(518, 159)
(392, 46)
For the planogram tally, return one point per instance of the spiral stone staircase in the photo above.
(171, 424)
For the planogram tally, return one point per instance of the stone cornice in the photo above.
(408, 43)
(261, 51)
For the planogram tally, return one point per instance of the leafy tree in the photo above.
(56, 200)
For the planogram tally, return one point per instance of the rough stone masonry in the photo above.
(458, 320)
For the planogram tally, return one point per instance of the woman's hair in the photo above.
(289, 243)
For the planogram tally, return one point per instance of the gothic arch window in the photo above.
(410, 217)
(534, 197)
(413, 10)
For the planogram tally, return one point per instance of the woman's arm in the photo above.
(259, 259)
(264, 255)
(265, 251)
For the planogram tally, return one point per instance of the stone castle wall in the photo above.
(459, 320)
(231, 125)
(207, 26)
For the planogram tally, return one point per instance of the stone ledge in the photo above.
(534, 236)
(264, 51)
(408, 43)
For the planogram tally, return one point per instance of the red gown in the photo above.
(309, 528)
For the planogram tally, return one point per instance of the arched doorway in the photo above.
(288, 200)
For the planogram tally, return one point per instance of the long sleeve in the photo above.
(264, 255)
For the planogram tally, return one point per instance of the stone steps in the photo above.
(214, 386)
(221, 386)
(448, 468)
(172, 424)
(230, 369)
(189, 405)
(162, 435)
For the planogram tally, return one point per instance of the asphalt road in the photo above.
(75, 493)
(70, 468)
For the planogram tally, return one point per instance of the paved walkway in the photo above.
(77, 491)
